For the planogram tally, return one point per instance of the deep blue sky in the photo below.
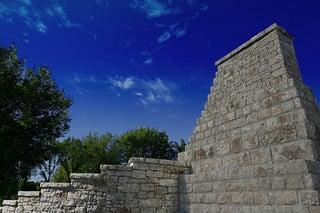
(128, 63)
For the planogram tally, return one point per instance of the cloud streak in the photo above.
(35, 16)
(175, 30)
(81, 83)
(148, 61)
(122, 83)
(154, 8)
(157, 91)
(147, 91)
(164, 37)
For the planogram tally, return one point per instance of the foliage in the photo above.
(175, 148)
(84, 155)
(47, 169)
(33, 113)
(140, 142)
(87, 154)
(181, 146)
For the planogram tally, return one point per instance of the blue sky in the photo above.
(133, 63)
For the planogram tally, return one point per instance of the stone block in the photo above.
(295, 182)
(54, 185)
(285, 197)
(310, 197)
(138, 173)
(293, 151)
(262, 198)
(236, 145)
(314, 209)
(223, 198)
(28, 193)
(9, 202)
(168, 182)
(278, 183)
(260, 156)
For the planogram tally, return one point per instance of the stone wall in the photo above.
(255, 149)
(144, 185)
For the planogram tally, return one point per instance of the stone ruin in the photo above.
(255, 149)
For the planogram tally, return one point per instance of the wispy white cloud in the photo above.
(80, 83)
(148, 61)
(57, 12)
(164, 37)
(26, 2)
(154, 8)
(122, 83)
(80, 90)
(204, 7)
(157, 91)
(92, 79)
(35, 16)
(176, 30)
(138, 94)
(148, 91)
(180, 28)
(41, 27)
(76, 78)
(180, 31)
(191, 2)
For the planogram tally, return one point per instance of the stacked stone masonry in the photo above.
(144, 185)
(255, 149)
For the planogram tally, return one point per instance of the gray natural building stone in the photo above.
(254, 149)
(256, 145)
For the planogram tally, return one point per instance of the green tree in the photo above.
(71, 158)
(47, 169)
(140, 142)
(33, 113)
(82, 155)
(175, 148)
(181, 146)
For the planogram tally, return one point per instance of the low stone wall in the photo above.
(54, 195)
(27, 201)
(9, 206)
(144, 185)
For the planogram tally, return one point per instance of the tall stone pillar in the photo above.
(255, 147)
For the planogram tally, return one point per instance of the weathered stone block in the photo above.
(278, 183)
(28, 193)
(311, 198)
(295, 182)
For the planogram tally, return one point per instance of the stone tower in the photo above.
(255, 147)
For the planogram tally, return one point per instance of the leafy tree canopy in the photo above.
(82, 155)
(140, 142)
(33, 113)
